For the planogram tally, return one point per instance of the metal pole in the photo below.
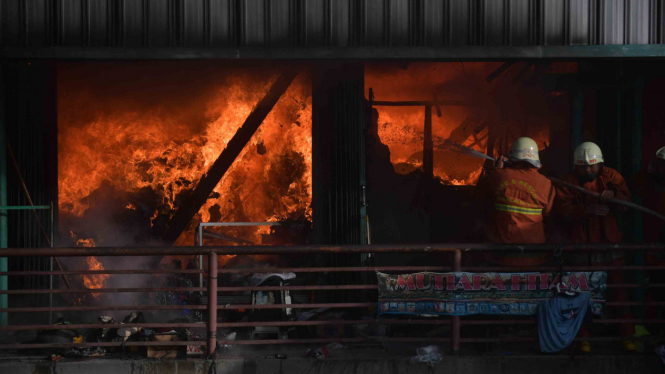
(428, 152)
(635, 166)
(200, 236)
(457, 266)
(212, 303)
(3, 202)
(50, 296)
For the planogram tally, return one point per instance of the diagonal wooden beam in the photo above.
(207, 184)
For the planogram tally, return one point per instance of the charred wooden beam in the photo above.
(496, 73)
(207, 184)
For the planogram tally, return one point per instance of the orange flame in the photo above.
(270, 179)
(92, 281)
(96, 281)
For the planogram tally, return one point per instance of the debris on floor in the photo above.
(430, 355)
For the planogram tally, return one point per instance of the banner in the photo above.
(461, 294)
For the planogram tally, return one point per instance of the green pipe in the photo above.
(24, 207)
(3, 203)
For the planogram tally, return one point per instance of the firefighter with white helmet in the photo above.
(586, 219)
(591, 220)
(513, 199)
(588, 153)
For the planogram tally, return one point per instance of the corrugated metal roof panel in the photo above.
(328, 23)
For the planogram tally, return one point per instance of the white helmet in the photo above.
(525, 149)
(588, 153)
(661, 153)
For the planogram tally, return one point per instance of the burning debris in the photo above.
(123, 175)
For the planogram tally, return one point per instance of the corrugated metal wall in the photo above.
(31, 131)
(326, 23)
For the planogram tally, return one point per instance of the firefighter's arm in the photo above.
(568, 205)
(618, 189)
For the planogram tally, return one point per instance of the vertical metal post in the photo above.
(428, 151)
(617, 134)
(50, 282)
(634, 167)
(457, 266)
(200, 239)
(212, 303)
(428, 169)
(3, 201)
(576, 120)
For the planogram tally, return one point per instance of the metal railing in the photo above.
(455, 252)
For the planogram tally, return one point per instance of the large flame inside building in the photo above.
(126, 162)
(481, 104)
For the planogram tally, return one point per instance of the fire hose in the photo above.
(612, 200)
(473, 153)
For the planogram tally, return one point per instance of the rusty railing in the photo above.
(454, 263)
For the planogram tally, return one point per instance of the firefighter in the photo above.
(514, 197)
(590, 220)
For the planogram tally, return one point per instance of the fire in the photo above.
(95, 281)
(92, 281)
(498, 104)
(85, 242)
(135, 152)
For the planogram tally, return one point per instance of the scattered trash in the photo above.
(77, 339)
(84, 352)
(55, 358)
(430, 355)
(324, 352)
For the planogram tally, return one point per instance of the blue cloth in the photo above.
(559, 320)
